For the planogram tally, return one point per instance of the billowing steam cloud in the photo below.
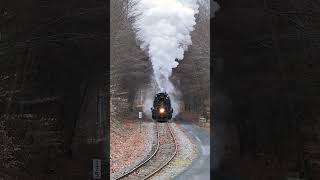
(163, 28)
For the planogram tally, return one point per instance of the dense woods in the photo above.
(192, 75)
(129, 66)
(131, 70)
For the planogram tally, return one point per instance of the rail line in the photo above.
(165, 151)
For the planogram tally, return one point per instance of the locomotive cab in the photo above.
(162, 110)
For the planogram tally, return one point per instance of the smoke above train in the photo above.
(163, 29)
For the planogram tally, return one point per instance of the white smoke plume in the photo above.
(163, 27)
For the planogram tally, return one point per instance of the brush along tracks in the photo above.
(165, 151)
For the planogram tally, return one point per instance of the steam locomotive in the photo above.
(162, 110)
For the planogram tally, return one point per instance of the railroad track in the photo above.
(165, 151)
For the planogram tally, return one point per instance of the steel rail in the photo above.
(170, 159)
(153, 155)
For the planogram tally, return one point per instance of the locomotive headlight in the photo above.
(161, 110)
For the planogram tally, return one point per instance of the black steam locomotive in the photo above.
(162, 110)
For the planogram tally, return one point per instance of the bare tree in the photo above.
(194, 70)
(130, 68)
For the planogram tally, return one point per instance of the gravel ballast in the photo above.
(186, 153)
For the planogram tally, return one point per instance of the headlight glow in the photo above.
(161, 110)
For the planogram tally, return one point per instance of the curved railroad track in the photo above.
(165, 151)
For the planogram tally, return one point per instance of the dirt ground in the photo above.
(127, 143)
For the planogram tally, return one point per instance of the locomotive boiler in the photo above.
(162, 110)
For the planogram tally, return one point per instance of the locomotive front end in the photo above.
(161, 110)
